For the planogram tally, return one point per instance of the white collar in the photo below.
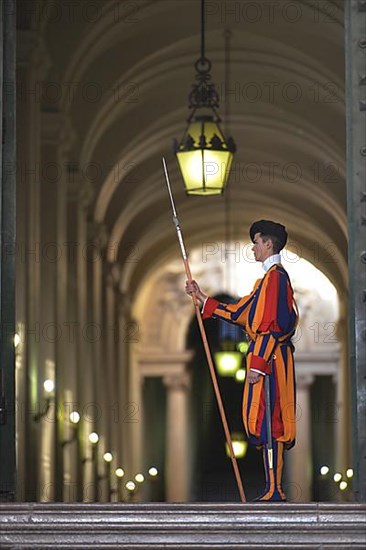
(270, 261)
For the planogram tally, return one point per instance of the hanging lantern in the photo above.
(240, 445)
(204, 155)
(228, 360)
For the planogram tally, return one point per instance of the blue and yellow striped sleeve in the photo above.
(235, 313)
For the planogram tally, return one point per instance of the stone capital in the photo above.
(123, 301)
(113, 274)
(98, 234)
(79, 191)
(304, 381)
(177, 381)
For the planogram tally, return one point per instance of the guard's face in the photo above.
(260, 248)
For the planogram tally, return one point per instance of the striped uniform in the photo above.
(269, 316)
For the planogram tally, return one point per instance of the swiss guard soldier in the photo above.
(269, 316)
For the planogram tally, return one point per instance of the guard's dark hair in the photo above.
(270, 230)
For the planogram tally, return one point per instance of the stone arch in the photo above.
(164, 314)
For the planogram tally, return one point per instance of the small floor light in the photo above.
(108, 457)
(49, 386)
(93, 438)
(74, 417)
(130, 486)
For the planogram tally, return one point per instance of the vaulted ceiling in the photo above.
(124, 70)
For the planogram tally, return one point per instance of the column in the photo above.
(69, 445)
(177, 460)
(47, 422)
(7, 244)
(56, 344)
(122, 364)
(343, 433)
(32, 66)
(301, 457)
(355, 47)
(84, 362)
(96, 328)
(68, 350)
(111, 334)
(133, 411)
(78, 369)
(52, 311)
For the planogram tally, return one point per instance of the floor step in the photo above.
(182, 526)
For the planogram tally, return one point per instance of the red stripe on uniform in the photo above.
(269, 319)
(261, 411)
(289, 297)
(277, 424)
(259, 363)
(210, 307)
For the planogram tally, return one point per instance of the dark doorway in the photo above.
(213, 478)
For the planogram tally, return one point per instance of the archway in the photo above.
(318, 355)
